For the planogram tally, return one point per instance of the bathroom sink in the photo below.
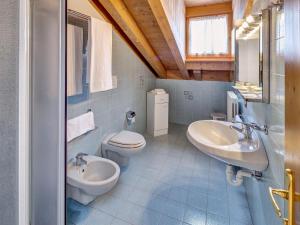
(219, 140)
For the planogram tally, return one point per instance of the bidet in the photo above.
(87, 181)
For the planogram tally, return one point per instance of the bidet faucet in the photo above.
(247, 129)
(79, 159)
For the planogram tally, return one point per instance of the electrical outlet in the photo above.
(186, 92)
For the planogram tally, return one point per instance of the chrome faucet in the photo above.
(79, 159)
(247, 129)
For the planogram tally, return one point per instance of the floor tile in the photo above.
(124, 213)
(95, 217)
(173, 209)
(122, 191)
(194, 217)
(117, 221)
(213, 219)
(108, 204)
(178, 194)
(166, 220)
(240, 214)
(169, 183)
(197, 200)
(218, 207)
(140, 197)
(157, 203)
(150, 217)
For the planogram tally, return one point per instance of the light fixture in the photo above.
(245, 25)
(250, 19)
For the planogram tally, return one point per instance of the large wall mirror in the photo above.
(77, 57)
(252, 53)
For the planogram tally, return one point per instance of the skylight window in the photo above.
(208, 35)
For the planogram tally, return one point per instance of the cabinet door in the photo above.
(161, 116)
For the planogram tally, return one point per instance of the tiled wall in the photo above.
(273, 115)
(8, 112)
(109, 107)
(194, 100)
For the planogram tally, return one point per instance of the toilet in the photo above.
(87, 182)
(119, 146)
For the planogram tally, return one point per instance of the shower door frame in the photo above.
(47, 112)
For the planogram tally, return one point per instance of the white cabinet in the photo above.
(157, 113)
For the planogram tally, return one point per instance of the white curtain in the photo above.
(208, 35)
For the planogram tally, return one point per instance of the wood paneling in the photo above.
(122, 17)
(210, 65)
(142, 14)
(292, 90)
(169, 36)
(211, 75)
(174, 74)
(248, 8)
(147, 27)
(216, 75)
(207, 10)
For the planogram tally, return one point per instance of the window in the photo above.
(208, 35)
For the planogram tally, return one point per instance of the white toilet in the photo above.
(119, 146)
(95, 177)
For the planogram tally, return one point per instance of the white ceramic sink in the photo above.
(219, 140)
(88, 181)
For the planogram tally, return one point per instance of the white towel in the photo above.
(80, 125)
(101, 56)
(74, 63)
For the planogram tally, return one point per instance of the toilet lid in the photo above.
(127, 139)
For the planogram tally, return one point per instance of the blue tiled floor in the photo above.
(169, 183)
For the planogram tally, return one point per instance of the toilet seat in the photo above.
(127, 139)
(118, 147)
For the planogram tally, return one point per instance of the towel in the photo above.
(80, 125)
(101, 56)
(74, 62)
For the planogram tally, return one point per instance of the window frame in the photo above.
(229, 38)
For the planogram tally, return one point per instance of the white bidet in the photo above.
(88, 181)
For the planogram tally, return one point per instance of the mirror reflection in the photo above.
(74, 60)
(77, 60)
(249, 59)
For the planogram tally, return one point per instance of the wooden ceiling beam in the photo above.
(209, 10)
(248, 8)
(166, 29)
(123, 18)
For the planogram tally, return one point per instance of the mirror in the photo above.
(77, 57)
(249, 58)
(252, 58)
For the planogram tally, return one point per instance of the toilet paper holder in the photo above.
(130, 116)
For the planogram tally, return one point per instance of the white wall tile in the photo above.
(109, 107)
(206, 97)
(273, 115)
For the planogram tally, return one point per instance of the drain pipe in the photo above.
(236, 180)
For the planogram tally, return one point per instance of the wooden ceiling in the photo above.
(147, 27)
(143, 15)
